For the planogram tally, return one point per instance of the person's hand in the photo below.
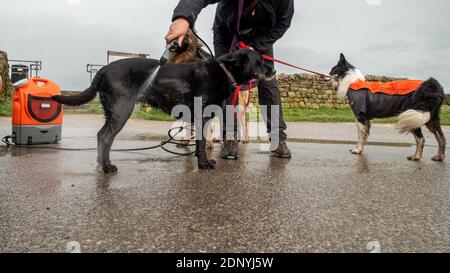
(178, 30)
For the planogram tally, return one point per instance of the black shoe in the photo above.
(230, 150)
(282, 151)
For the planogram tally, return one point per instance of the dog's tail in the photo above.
(411, 120)
(83, 97)
(426, 106)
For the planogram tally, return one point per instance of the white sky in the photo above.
(409, 38)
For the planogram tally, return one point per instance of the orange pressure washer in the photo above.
(36, 118)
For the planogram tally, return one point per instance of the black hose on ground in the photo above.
(162, 145)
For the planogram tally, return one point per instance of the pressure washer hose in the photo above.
(162, 145)
(204, 43)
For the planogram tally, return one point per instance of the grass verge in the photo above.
(5, 108)
(148, 113)
(325, 115)
(290, 115)
(343, 115)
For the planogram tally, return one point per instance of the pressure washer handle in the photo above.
(40, 82)
(35, 82)
(172, 47)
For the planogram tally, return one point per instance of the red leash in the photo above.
(237, 91)
(236, 95)
(248, 101)
(243, 45)
(239, 88)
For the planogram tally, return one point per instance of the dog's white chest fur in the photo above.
(352, 76)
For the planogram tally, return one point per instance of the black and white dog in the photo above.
(420, 107)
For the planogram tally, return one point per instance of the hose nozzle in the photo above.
(172, 47)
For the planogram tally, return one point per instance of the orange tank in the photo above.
(36, 118)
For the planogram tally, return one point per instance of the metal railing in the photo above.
(35, 66)
(92, 69)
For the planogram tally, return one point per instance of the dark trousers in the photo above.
(268, 95)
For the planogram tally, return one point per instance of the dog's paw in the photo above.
(356, 151)
(414, 158)
(207, 165)
(438, 158)
(109, 168)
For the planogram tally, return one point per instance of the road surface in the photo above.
(323, 200)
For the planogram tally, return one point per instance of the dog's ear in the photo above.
(236, 58)
(342, 59)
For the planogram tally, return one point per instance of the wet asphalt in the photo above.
(323, 200)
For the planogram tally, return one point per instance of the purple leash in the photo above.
(235, 41)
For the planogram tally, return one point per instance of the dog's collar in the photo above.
(229, 75)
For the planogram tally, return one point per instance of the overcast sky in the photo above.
(409, 38)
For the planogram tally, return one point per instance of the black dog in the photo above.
(421, 106)
(119, 85)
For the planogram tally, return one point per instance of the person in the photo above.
(259, 24)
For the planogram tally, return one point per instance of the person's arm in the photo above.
(184, 17)
(190, 9)
(284, 14)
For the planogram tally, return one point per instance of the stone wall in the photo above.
(304, 91)
(307, 91)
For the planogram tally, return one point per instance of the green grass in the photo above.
(319, 115)
(290, 115)
(148, 113)
(5, 108)
(296, 115)
(445, 115)
(343, 115)
(325, 115)
(94, 107)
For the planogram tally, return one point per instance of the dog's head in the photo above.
(343, 75)
(339, 72)
(247, 64)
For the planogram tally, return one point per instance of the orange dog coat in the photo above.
(390, 88)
